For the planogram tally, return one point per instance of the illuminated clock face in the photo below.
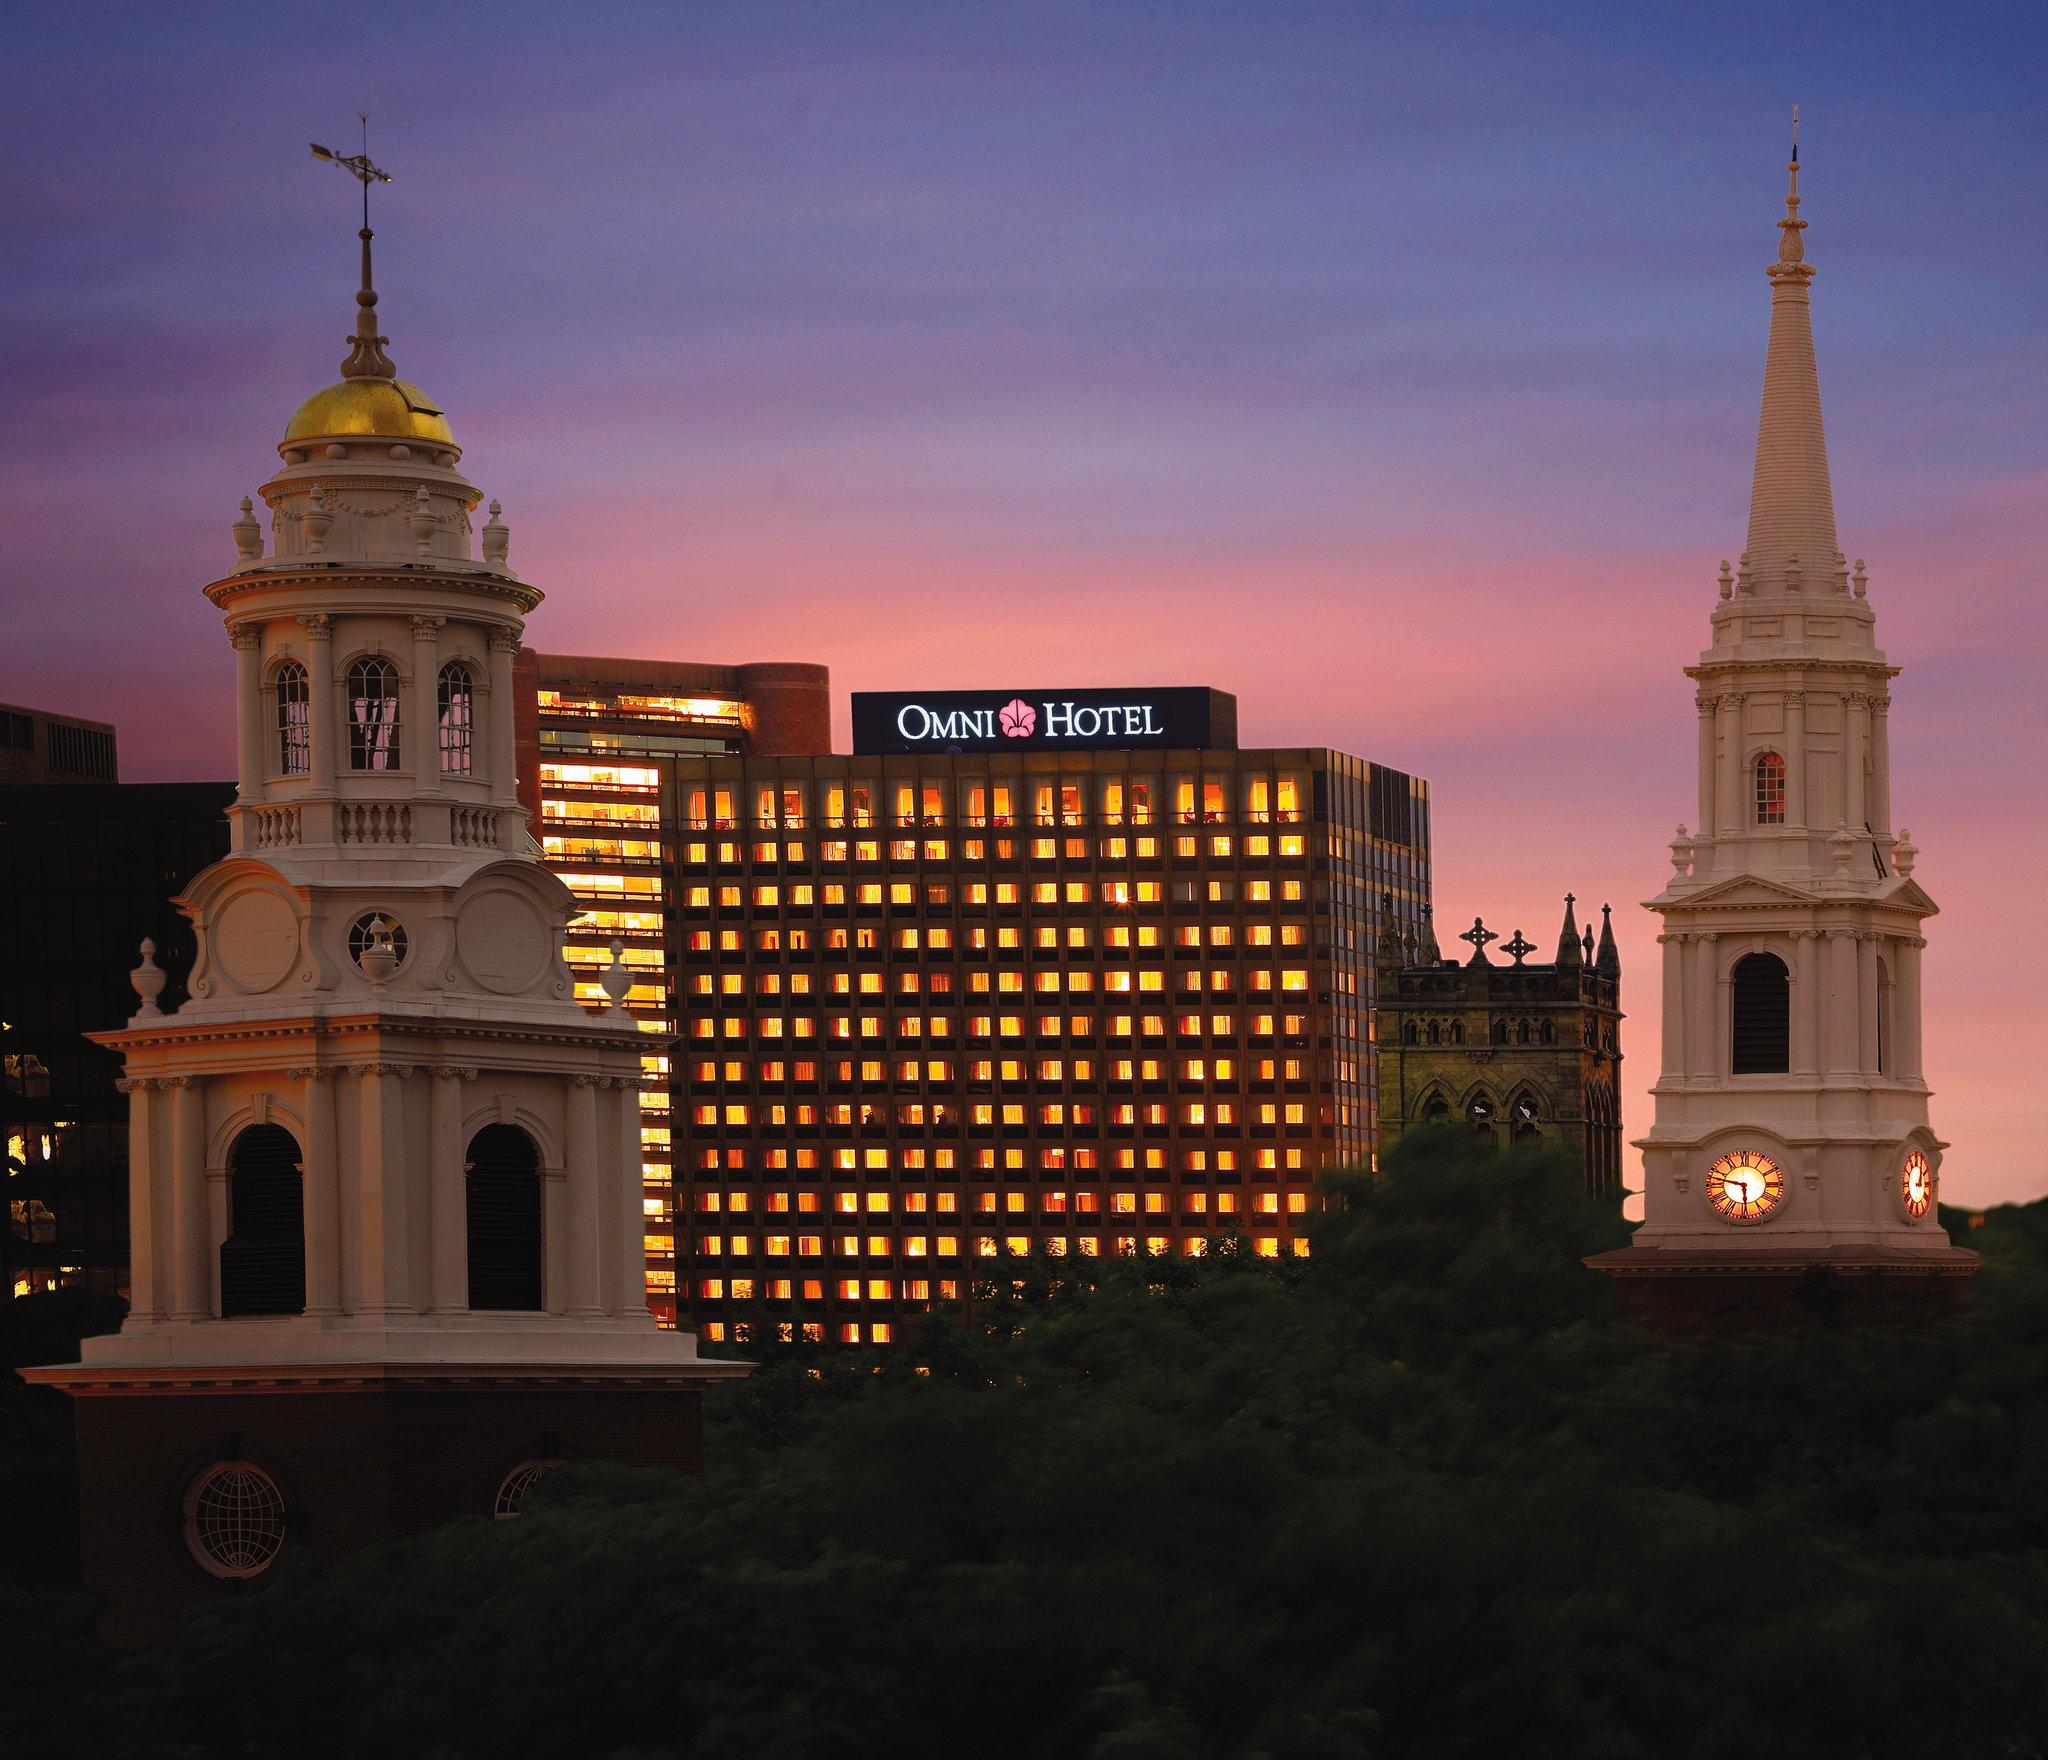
(1916, 1185)
(1745, 1186)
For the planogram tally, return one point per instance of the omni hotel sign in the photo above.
(1176, 717)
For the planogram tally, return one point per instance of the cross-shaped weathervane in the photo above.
(1479, 935)
(1519, 947)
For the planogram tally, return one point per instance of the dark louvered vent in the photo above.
(263, 1260)
(1762, 1009)
(504, 1219)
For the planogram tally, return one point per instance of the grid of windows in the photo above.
(927, 1013)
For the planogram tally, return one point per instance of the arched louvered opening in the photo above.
(503, 1186)
(1762, 1016)
(263, 1260)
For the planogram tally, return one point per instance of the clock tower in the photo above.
(384, 1183)
(1792, 1138)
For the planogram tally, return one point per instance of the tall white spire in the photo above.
(1792, 541)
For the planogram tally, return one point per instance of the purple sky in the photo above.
(1396, 368)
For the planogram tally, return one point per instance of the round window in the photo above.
(234, 1519)
(517, 1483)
(374, 929)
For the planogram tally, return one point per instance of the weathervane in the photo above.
(366, 359)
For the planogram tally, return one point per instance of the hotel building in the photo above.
(1099, 983)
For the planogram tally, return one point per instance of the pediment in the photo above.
(1750, 892)
(1902, 894)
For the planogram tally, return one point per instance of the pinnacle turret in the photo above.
(1569, 952)
(1607, 962)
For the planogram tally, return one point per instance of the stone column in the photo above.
(249, 728)
(554, 1228)
(1807, 1002)
(631, 1297)
(1906, 1009)
(448, 1193)
(586, 1174)
(323, 760)
(147, 1279)
(1729, 818)
(318, 1193)
(1674, 1004)
(1855, 743)
(1704, 702)
(1841, 1010)
(1703, 1050)
(504, 762)
(192, 1290)
(1866, 1001)
(1881, 770)
(1795, 758)
(384, 1269)
(426, 702)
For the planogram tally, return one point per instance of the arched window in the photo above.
(1522, 1117)
(373, 715)
(503, 1188)
(1411, 1034)
(1479, 1114)
(1457, 1032)
(457, 699)
(1547, 1034)
(1761, 1017)
(1436, 1109)
(1500, 1032)
(1770, 789)
(263, 1260)
(1436, 1033)
(294, 720)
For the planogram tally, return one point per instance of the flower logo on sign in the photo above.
(1019, 719)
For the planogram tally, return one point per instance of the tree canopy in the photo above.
(1422, 1493)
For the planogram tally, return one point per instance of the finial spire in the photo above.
(366, 356)
(1569, 952)
(1608, 961)
(1792, 500)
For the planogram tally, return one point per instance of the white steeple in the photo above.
(383, 1130)
(1791, 1111)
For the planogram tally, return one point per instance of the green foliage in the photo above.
(1421, 1494)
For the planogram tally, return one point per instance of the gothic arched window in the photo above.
(1761, 1017)
(263, 1260)
(373, 715)
(1770, 789)
(1436, 1109)
(294, 720)
(457, 701)
(502, 1186)
(1411, 1034)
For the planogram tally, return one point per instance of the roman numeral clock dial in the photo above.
(1745, 1186)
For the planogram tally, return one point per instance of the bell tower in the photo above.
(385, 1191)
(1792, 1132)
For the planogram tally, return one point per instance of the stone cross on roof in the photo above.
(1479, 935)
(1519, 947)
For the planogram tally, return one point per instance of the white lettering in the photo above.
(1059, 720)
(1148, 725)
(905, 730)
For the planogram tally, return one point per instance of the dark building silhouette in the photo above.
(1518, 1052)
(86, 871)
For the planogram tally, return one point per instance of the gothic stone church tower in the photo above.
(1517, 1053)
(385, 1186)
(1791, 1134)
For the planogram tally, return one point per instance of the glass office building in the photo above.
(1077, 991)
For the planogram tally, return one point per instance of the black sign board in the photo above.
(1180, 717)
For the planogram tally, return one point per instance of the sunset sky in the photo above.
(1393, 367)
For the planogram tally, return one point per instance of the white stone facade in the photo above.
(1793, 855)
(379, 968)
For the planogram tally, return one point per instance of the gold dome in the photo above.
(390, 408)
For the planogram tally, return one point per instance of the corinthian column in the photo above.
(1881, 769)
(448, 1191)
(147, 1279)
(1728, 815)
(504, 756)
(1866, 1002)
(586, 1175)
(322, 1201)
(1795, 758)
(320, 707)
(192, 1292)
(1841, 1001)
(1855, 804)
(248, 643)
(1704, 702)
(1906, 1008)
(426, 701)
(1674, 1004)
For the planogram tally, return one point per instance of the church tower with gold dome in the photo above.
(385, 1189)
(1792, 1135)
